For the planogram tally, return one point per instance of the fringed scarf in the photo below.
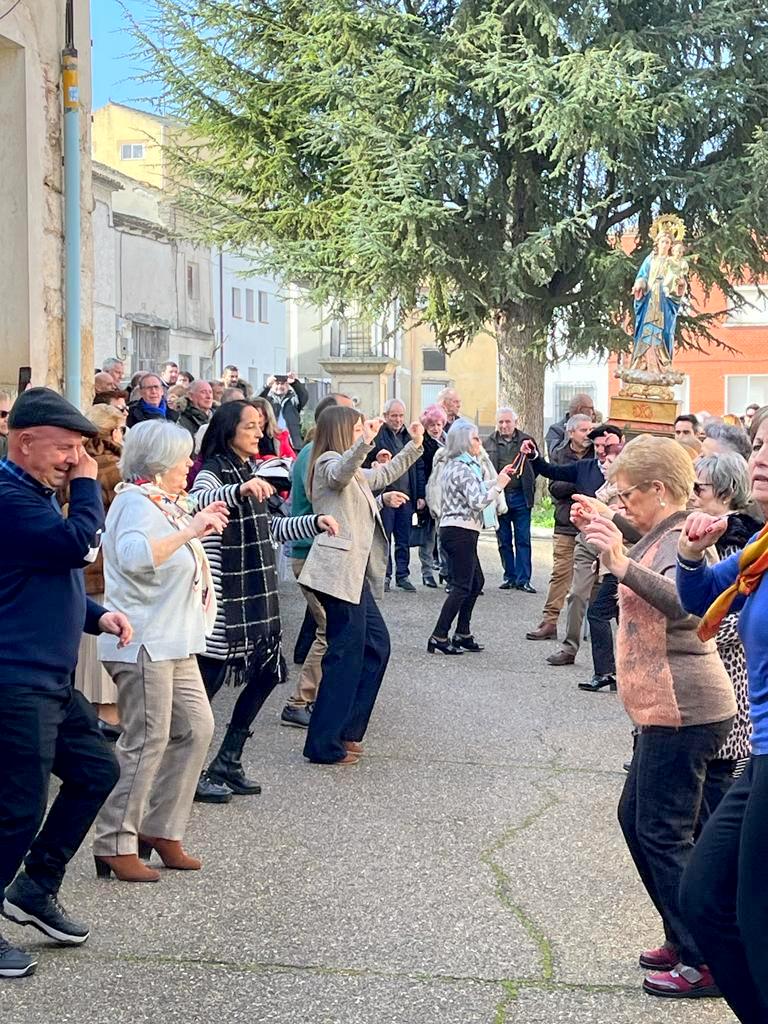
(248, 579)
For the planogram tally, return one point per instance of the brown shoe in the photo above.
(171, 853)
(545, 631)
(353, 746)
(349, 758)
(561, 658)
(126, 868)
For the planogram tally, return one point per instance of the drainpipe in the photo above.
(71, 95)
(221, 309)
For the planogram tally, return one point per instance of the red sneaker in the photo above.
(684, 982)
(662, 959)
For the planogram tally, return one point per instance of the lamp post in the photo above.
(71, 97)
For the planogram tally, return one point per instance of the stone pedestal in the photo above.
(363, 378)
(637, 415)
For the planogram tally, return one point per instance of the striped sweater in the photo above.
(463, 496)
(207, 489)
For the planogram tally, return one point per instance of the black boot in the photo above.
(226, 767)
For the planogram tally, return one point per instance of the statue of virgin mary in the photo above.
(657, 292)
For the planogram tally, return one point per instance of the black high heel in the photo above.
(467, 642)
(598, 683)
(443, 646)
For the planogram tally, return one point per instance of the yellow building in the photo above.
(131, 141)
(472, 370)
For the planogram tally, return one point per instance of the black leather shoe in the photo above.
(468, 643)
(405, 584)
(597, 683)
(526, 588)
(443, 646)
(27, 903)
(506, 585)
(209, 792)
(297, 717)
(429, 581)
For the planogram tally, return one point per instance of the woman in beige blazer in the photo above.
(347, 572)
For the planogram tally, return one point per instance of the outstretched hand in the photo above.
(700, 532)
(528, 448)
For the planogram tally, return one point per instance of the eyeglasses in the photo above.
(699, 487)
(121, 409)
(621, 495)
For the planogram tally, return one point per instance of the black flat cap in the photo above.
(603, 429)
(42, 407)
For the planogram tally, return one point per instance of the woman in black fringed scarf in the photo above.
(245, 645)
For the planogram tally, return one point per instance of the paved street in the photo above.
(469, 871)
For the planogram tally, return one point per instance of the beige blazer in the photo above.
(340, 488)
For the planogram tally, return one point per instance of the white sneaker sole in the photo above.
(18, 972)
(19, 916)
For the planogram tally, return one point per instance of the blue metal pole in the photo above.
(72, 335)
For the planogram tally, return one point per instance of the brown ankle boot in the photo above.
(170, 851)
(126, 868)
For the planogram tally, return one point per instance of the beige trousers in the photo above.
(312, 669)
(560, 580)
(583, 591)
(167, 728)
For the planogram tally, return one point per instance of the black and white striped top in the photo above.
(208, 488)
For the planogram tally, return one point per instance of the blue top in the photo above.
(42, 593)
(698, 588)
(300, 503)
(586, 474)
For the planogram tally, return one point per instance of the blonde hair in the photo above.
(107, 418)
(646, 459)
(692, 445)
(334, 432)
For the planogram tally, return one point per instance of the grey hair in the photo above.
(111, 361)
(393, 401)
(151, 448)
(231, 395)
(733, 438)
(506, 408)
(573, 421)
(458, 440)
(729, 476)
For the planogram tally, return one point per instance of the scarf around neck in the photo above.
(753, 562)
(489, 512)
(155, 410)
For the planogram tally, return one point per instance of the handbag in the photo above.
(420, 532)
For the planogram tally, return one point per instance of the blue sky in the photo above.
(113, 66)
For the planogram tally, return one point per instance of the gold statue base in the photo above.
(644, 414)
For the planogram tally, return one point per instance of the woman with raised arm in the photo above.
(724, 897)
(675, 690)
(346, 572)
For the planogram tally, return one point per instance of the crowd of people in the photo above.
(140, 576)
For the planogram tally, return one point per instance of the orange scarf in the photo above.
(753, 562)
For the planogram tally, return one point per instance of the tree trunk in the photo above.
(521, 368)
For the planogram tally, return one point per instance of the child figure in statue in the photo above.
(659, 286)
(676, 277)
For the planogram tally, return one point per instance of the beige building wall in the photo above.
(31, 193)
(121, 133)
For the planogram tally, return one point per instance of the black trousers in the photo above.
(353, 670)
(659, 812)
(600, 614)
(724, 895)
(467, 580)
(44, 733)
(253, 694)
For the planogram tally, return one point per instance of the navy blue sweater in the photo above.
(43, 606)
(585, 474)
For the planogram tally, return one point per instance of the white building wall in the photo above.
(588, 373)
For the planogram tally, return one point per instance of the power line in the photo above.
(10, 10)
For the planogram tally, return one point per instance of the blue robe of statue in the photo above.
(655, 318)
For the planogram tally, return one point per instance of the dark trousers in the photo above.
(258, 685)
(467, 580)
(353, 669)
(397, 524)
(659, 811)
(600, 614)
(44, 733)
(724, 895)
(305, 639)
(515, 553)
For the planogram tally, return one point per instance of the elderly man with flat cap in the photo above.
(47, 726)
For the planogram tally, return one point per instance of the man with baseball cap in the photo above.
(47, 726)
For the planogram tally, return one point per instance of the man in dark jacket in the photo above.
(579, 405)
(577, 446)
(151, 404)
(47, 726)
(390, 440)
(503, 447)
(199, 404)
(287, 397)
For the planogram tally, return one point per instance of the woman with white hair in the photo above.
(467, 503)
(156, 571)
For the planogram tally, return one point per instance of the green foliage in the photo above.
(543, 513)
(490, 154)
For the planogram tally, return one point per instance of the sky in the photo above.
(113, 66)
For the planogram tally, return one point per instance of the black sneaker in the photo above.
(297, 717)
(15, 963)
(26, 903)
(405, 584)
(210, 792)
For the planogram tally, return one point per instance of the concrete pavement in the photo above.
(469, 871)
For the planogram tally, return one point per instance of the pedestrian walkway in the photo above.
(469, 870)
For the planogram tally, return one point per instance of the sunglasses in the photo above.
(698, 488)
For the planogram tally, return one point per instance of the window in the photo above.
(263, 308)
(430, 389)
(253, 378)
(206, 368)
(743, 389)
(249, 304)
(753, 312)
(186, 362)
(193, 281)
(433, 359)
(237, 309)
(565, 392)
(149, 347)
(131, 150)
